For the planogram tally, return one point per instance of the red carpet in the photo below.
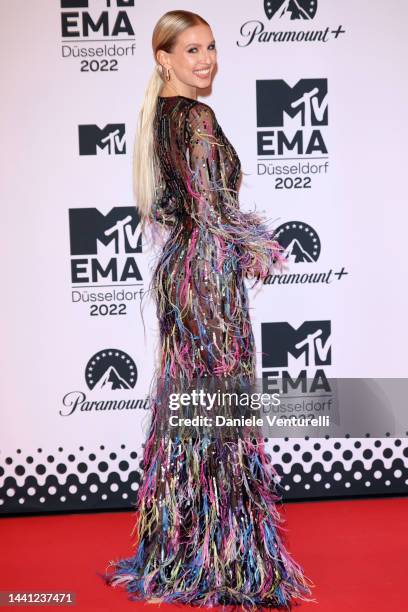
(354, 551)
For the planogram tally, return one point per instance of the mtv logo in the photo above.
(308, 345)
(93, 139)
(306, 101)
(93, 233)
(65, 4)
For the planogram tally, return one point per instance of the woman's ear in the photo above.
(161, 57)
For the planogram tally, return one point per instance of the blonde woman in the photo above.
(207, 525)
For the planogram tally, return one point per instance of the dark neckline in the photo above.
(179, 96)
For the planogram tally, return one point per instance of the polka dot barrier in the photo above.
(314, 468)
(72, 480)
(39, 480)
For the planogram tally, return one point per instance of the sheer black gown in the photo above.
(208, 531)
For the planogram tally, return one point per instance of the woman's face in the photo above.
(193, 58)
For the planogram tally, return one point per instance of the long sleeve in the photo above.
(244, 239)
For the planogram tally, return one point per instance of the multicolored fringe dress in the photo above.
(208, 532)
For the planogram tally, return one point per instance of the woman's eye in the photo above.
(194, 49)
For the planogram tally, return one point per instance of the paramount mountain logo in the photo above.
(110, 374)
(294, 9)
(110, 369)
(302, 246)
(300, 241)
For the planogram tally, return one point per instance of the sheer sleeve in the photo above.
(243, 238)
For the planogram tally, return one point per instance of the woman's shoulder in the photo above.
(201, 113)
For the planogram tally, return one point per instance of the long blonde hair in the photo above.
(147, 180)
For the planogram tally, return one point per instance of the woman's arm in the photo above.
(243, 237)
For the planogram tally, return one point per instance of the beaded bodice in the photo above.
(179, 125)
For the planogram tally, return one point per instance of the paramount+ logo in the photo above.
(297, 12)
(302, 247)
(111, 376)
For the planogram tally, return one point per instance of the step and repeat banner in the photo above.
(311, 95)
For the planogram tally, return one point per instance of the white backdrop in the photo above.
(75, 372)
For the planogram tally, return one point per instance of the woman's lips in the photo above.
(202, 73)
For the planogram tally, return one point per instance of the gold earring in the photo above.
(168, 75)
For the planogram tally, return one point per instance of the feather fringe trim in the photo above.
(208, 529)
